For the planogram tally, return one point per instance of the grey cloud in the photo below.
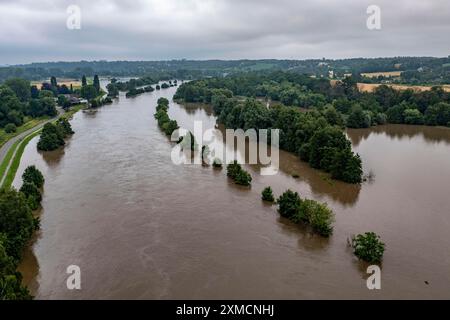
(201, 29)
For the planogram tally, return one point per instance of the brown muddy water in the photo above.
(140, 227)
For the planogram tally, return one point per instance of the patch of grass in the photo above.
(8, 157)
(4, 137)
(16, 160)
(69, 114)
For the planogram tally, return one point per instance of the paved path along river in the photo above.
(5, 148)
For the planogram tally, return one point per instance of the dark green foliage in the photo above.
(52, 136)
(164, 86)
(10, 128)
(10, 280)
(16, 227)
(165, 123)
(33, 175)
(289, 204)
(217, 163)
(368, 247)
(83, 81)
(395, 114)
(96, 83)
(32, 193)
(438, 114)
(88, 92)
(169, 127)
(318, 216)
(20, 87)
(233, 169)
(16, 221)
(239, 175)
(64, 125)
(163, 102)
(267, 194)
(313, 213)
(11, 109)
(113, 91)
(413, 116)
(358, 118)
(243, 178)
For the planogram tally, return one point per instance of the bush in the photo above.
(163, 102)
(50, 139)
(239, 175)
(318, 215)
(169, 127)
(53, 135)
(368, 247)
(10, 128)
(267, 194)
(243, 178)
(233, 169)
(289, 204)
(33, 175)
(217, 163)
(311, 212)
(30, 190)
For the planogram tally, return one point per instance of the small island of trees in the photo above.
(53, 135)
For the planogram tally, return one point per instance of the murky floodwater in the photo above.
(139, 226)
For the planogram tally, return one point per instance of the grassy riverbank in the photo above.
(16, 159)
(17, 149)
(4, 137)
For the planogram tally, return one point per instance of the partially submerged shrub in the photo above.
(311, 212)
(267, 194)
(368, 247)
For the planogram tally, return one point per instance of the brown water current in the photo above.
(141, 227)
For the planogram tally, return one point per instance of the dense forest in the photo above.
(415, 70)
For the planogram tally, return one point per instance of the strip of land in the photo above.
(11, 152)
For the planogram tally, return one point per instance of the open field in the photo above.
(369, 87)
(74, 82)
(384, 74)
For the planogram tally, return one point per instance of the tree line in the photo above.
(19, 101)
(341, 103)
(17, 224)
(309, 134)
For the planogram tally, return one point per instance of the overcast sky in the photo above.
(34, 31)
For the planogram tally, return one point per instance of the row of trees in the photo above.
(134, 92)
(19, 100)
(53, 135)
(17, 225)
(354, 108)
(164, 122)
(315, 136)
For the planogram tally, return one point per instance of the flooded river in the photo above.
(140, 227)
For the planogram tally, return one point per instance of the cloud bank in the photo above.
(32, 31)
